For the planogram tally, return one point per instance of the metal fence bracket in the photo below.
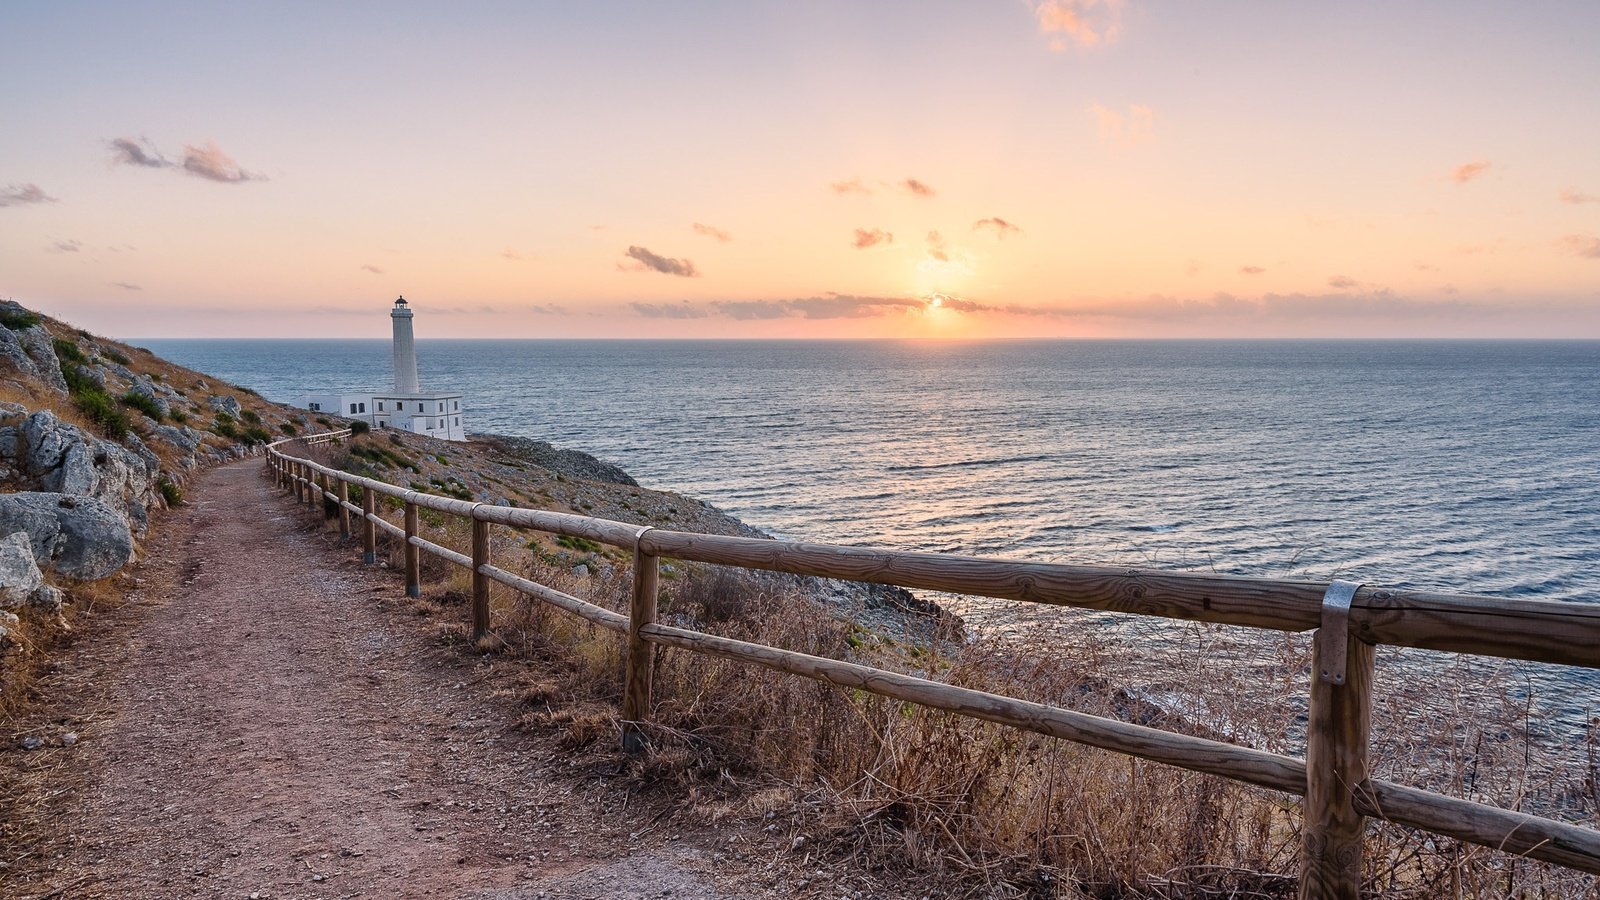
(1335, 631)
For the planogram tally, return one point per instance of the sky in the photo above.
(1009, 168)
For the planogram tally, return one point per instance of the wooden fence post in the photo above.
(369, 530)
(480, 581)
(344, 512)
(299, 483)
(322, 494)
(413, 554)
(640, 663)
(1336, 764)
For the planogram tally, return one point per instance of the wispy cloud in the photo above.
(917, 188)
(1584, 245)
(826, 306)
(130, 152)
(1251, 270)
(1343, 283)
(1574, 196)
(872, 237)
(1001, 226)
(712, 231)
(126, 286)
(24, 194)
(64, 247)
(513, 255)
(670, 310)
(850, 186)
(1118, 130)
(644, 260)
(372, 268)
(1469, 171)
(936, 247)
(1086, 23)
(1424, 267)
(209, 162)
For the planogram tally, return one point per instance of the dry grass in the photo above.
(1000, 812)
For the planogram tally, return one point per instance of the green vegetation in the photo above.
(90, 398)
(143, 403)
(249, 417)
(359, 427)
(255, 434)
(17, 318)
(223, 425)
(170, 491)
(179, 416)
(384, 457)
(117, 357)
(288, 428)
(581, 544)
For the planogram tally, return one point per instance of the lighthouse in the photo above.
(406, 408)
(405, 349)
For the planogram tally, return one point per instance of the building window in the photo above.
(314, 407)
(441, 407)
(458, 420)
(363, 407)
(419, 407)
(352, 409)
(380, 406)
(455, 405)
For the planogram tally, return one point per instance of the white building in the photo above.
(407, 407)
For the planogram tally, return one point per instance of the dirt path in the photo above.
(271, 733)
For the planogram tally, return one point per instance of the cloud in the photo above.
(1424, 267)
(712, 232)
(1468, 171)
(850, 186)
(645, 260)
(917, 188)
(1343, 283)
(669, 310)
(513, 255)
(827, 306)
(130, 152)
(1001, 227)
(1131, 130)
(872, 237)
(126, 286)
(372, 268)
(1087, 23)
(1192, 268)
(1573, 196)
(209, 162)
(22, 194)
(936, 247)
(65, 247)
(1251, 270)
(1583, 245)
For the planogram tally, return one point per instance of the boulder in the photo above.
(40, 347)
(19, 571)
(8, 624)
(226, 404)
(79, 537)
(45, 440)
(13, 356)
(145, 388)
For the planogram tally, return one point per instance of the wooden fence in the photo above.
(1349, 621)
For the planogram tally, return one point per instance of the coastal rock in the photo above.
(180, 437)
(60, 458)
(144, 388)
(8, 624)
(19, 571)
(12, 356)
(226, 404)
(39, 346)
(79, 537)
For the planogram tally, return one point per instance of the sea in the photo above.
(1464, 466)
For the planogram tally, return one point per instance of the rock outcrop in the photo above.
(78, 537)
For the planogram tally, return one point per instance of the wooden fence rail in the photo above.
(1333, 778)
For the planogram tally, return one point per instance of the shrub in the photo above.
(179, 416)
(68, 351)
(117, 357)
(324, 422)
(582, 544)
(288, 428)
(143, 403)
(249, 416)
(225, 428)
(359, 427)
(103, 412)
(170, 491)
(255, 434)
(16, 318)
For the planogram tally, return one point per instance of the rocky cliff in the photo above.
(94, 434)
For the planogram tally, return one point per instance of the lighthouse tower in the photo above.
(405, 349)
